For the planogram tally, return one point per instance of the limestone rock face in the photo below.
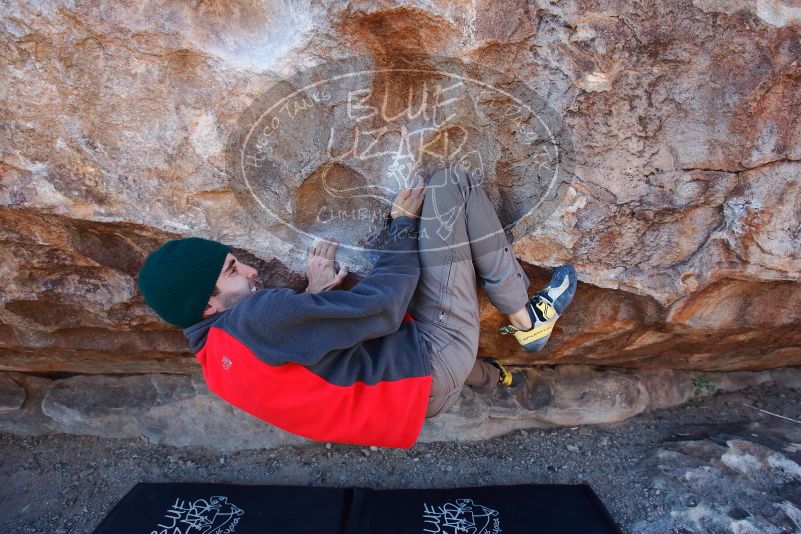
(736, 477)
(179, 410)
(677, 123)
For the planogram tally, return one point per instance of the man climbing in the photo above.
(364, 366)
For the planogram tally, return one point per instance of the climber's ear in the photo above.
(212, 307)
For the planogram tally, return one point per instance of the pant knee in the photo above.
(452, 176)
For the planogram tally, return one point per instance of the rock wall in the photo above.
(682, 214)
(179, 410)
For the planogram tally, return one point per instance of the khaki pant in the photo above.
(460, 237)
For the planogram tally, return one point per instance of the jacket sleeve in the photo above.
(283, 326)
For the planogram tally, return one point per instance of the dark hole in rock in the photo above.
(737, 513)
(338, 201)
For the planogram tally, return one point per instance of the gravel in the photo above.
(67, 483)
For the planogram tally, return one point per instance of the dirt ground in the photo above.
(66, 484)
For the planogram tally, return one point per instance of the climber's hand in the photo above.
(320, 266)
(409, 201)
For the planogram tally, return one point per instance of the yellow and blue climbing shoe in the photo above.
(506, 377)
(544, 308)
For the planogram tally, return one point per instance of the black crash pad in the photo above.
(210, 508)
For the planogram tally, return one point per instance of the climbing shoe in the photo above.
(506, 376)
(544, 308)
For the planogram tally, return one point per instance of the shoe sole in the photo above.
(562, 288)
(560, 291)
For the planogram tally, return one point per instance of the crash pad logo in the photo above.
(323, 152)
(461, 517)
(213, 516)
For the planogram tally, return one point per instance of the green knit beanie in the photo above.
(178, 278)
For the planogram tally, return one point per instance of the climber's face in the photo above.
(236, 282)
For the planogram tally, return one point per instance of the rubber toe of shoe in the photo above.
(562, 287)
